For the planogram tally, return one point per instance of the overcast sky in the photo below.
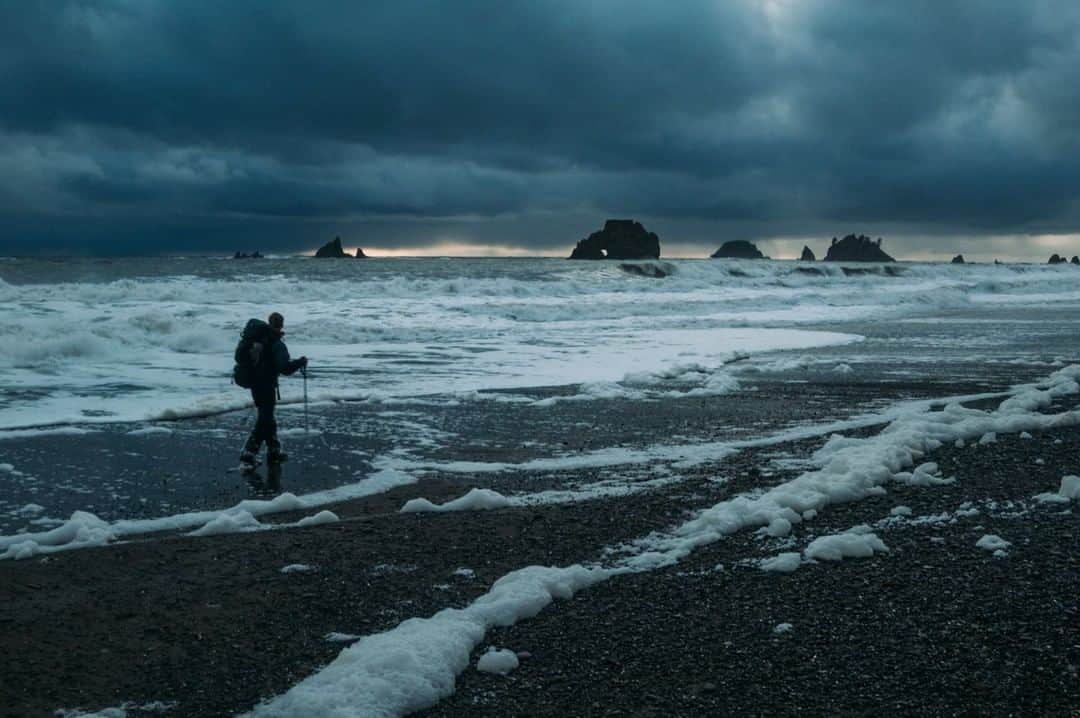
(143, 126)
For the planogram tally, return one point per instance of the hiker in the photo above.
(266, 357)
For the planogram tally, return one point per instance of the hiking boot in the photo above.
(277, 457)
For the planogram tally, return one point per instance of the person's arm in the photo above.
(283, 363)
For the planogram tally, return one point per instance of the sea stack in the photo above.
(619, 239)
(360, 254)
(807, 255)
(1075, 259)
(738, 249)
(331, 250)
(857, 248)
(958, 259)
(1056, 259)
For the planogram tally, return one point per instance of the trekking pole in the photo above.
(306, 430)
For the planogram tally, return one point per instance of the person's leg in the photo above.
(266, 425)
(273, 446)
(265, 428)
(255, 439)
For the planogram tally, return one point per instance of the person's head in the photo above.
(277, 323)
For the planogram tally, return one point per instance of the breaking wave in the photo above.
(168, 326)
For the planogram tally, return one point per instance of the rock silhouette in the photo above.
(331, 249)
(1056, 259)
(958, 259)
(738, 249)
(857, 248)
(360, 254)
(245, 255)
(807, 255)
(619, 239)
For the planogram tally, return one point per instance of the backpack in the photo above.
(254, 341)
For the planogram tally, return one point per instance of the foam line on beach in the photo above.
(486, 499)
(44, 431)
(901, 518)
(689, 455)
(413, 666)
(84, 529)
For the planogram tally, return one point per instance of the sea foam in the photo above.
(155, 340)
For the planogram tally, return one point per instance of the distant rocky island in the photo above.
(627, 239)
(852, 248)
(245, 255)
(619, 239)
(333, 250)
(857, 248)
(1057, 259)
(738, 249)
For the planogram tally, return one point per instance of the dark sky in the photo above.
(145, 126)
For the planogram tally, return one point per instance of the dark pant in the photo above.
(265, 425)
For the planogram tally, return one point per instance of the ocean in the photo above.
(88, 341)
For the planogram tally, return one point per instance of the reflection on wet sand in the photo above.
(265, 484)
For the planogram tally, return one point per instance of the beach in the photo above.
(936, 626)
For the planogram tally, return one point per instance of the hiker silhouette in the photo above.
(262, 357)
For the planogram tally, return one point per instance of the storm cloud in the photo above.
(143, 126)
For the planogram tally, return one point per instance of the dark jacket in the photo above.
(273, 362)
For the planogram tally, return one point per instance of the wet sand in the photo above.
(211, 625)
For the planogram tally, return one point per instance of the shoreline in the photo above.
(348, 439)
(213, 624)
